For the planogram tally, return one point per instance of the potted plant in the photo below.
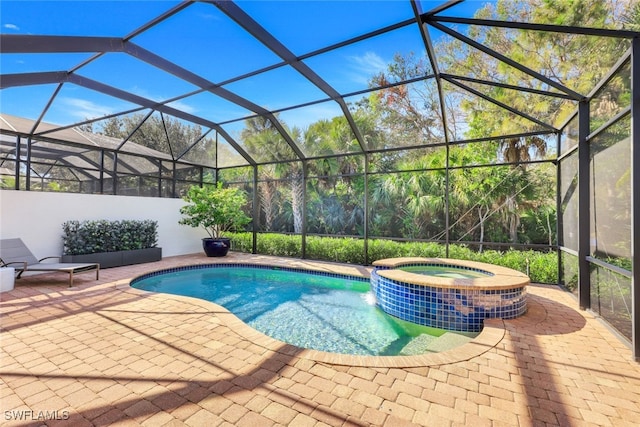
(217, 210)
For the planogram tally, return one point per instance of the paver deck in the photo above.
(102, 353)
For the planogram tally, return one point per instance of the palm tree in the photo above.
(520, 150)
(264, 142)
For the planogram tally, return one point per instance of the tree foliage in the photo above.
(216, 209)
(161, 133)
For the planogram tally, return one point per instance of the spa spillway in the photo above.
(447, 293)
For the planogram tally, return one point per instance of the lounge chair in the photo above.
(14, 253)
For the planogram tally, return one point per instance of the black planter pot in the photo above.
(216, 247)
(118, 258)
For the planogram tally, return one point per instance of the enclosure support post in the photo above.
(559, 217)
(27, 177)
(635, 198)
(114, 190)
(584, 217)
(101, 173)
(256, 212)
(366, 209)
(304, 208)
(446, 202)
(174, 177)
(16, 173)
(159, 181)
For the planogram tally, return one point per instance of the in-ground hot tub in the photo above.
(448, 293)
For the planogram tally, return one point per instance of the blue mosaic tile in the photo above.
(247, 265)
(446, 308)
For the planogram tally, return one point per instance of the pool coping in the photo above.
(502, 277)
(490, 336)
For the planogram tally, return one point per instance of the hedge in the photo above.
(88, 237)
(542, 267)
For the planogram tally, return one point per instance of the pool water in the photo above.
(326, 313)
(447, 272)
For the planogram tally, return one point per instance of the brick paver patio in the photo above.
(102, 353)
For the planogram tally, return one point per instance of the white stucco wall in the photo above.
(37, 217)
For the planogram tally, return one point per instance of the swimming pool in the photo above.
(320, 311)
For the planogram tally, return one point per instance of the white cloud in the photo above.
(303, 117)
(85, 109)
(182, 107)
(369, 62)
(137, 90)
(11, 27)
(363, 67)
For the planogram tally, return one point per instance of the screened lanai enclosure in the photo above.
(494, 126)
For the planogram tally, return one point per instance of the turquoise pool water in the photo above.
(326, 313)
(447, 272)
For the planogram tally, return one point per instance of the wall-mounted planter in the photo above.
(117, 259)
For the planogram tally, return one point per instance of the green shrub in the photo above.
(381, 249)
(241, 242)
(87, 237)
(424, 249)
(338, 249)
(462, 252)
(542, 267)
(570, 265)
(279, 245)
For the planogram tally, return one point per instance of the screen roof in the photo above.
(223, 66)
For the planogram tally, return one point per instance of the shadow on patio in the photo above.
(106, 353)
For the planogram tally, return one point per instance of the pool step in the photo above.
(428, 344)
(418, 345)
(448, 341)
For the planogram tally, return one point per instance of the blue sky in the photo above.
(204, 40)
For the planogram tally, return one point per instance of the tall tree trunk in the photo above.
(514, 223)
(549, 230)
(297, 199)
(513, 218)
(267, 193)
(481, 218)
